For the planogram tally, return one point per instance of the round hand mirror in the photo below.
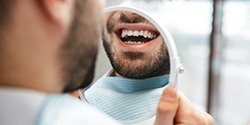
(144, 60)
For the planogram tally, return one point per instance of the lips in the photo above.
(136, 34)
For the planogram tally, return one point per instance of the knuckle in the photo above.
(198, 117)
(210, 120)
(206, 119)
(164, 108)
(167, 104)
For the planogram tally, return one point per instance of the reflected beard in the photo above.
(134, 65)
(137, 65)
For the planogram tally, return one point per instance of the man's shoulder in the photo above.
(67, 110)
(19, 104)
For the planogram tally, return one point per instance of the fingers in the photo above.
(167, 107)
(176, 109)
(187, 114)
(206, 119)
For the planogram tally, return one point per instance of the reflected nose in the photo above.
(130, 15)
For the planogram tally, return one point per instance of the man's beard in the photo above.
(79, 51)
(134, 64)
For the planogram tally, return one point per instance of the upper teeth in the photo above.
(144, 33)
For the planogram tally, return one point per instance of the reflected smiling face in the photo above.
(134, 46)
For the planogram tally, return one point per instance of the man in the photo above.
(47, 47)
(131, 91)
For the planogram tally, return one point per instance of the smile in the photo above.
(136, 36)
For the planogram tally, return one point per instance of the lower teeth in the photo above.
(134, 42)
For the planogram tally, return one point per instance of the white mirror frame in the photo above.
(175, 66)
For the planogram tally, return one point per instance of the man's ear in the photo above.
(59, 11)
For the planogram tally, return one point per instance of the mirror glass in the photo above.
(134, 46)
(139, 67)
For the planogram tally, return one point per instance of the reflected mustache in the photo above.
(124, 19)
(136, 19)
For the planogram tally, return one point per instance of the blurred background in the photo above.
(213, 41)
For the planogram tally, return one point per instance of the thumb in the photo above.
(167, 107)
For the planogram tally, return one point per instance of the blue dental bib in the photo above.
(127, 100)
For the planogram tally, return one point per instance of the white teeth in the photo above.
(134, 42)
(124, 33)
(150, 35)
(130, 32)
(136, 33)
(141, 33)
(144, 33)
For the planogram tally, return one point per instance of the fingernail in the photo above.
(169, 92)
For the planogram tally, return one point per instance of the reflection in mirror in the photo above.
(134, 46)
(130, 91)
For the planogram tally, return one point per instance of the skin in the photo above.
(33, 53)
(173, 108)
(134, 61)
(48, 45)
